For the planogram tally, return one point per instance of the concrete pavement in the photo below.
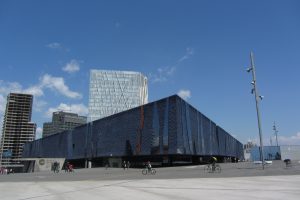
(246, 188)
(236, 181)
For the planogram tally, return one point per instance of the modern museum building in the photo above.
(166, 132)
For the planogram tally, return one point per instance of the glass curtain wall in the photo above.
(111, 92)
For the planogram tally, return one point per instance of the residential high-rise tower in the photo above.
(111, 92)
(17, 128)
(62, 121)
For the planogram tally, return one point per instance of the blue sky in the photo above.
(199, 49)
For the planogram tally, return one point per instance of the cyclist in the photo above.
(70, 167)
(213, 162)
(148, 165)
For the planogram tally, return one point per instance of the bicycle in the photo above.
(148, 171)
(209, 169)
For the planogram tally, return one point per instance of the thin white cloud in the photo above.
(7, 87)
(289, 140)
(39, 105)
(46, 81)
(36, 91)
(72, 66)
(79, 109)
(282, 140)
(54, 45)
(57, 46)
(163, 74)
(185, 94)
(2, 104)
(189, 52)
(58, 84)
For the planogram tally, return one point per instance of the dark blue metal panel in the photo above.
(180, 147)
(188, 127)
(155, 149)
(221, 134)
(214, 139)
(206, 135)
(170, 126)
(166, 128)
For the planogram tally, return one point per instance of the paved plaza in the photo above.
(236, 181)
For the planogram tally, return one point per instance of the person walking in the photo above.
(124, 164)
(106, 164)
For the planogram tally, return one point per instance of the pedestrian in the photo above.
(55, 167)
(128, 164)
(106, 164)
(66, 166)
(124, 164)
(287, 162)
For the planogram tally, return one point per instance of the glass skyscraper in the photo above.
(111, 92)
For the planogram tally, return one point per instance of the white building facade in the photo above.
(111, 92)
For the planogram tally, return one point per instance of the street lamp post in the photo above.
(275, 132)
(257, 98)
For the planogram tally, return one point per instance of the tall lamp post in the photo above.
(257, 99)
(275, 132)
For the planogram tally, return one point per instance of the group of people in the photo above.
(68, 167)
(4, 170)
(125, 164)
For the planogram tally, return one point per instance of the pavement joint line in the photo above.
(119, 184)
(183, 182)
(204, 188)
(77, 190)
